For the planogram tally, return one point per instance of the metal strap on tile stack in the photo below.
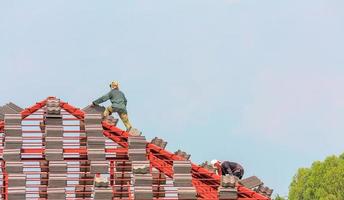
(55, 164)
(12, 156)
(182, 179)
(143, 179)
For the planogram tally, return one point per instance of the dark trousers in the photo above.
(239, 173)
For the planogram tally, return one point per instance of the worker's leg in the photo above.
(125, 119)
(108, 111)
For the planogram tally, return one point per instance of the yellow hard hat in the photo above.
(114, 84)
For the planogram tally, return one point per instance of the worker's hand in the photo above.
(93, 104)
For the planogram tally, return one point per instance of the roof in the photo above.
(40, 158)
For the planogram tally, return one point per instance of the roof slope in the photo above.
(76, 157)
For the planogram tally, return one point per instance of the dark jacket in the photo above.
(117, 98)
(232, 168)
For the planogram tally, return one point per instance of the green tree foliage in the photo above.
(323, 181)
(341, 156)
(279, 198)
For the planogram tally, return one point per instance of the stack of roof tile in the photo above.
(143, 179)
(57, 167)
(12, 156)
(182, 179)
(9, 108)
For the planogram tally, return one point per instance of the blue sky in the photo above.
(253, 81)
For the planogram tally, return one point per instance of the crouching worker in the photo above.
(119, 104)
(227, 168)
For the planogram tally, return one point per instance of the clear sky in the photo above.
(252, 81)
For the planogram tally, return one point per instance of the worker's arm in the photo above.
(102, 99)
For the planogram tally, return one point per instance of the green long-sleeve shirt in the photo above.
(117, 98)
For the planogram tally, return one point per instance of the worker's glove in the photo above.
(93, 104)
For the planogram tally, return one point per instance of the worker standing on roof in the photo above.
(119, 104)
(228, 168)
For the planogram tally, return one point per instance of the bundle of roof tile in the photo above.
(143, 179)
(182, 179)
(12, 156)
(9, 108)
